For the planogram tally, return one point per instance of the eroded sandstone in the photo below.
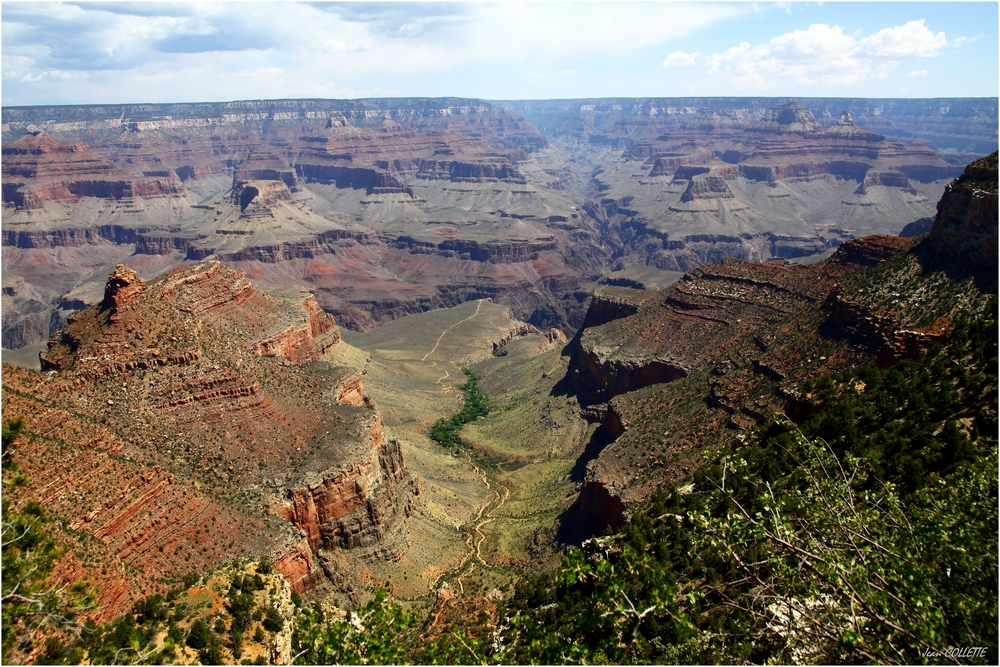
(231, 401)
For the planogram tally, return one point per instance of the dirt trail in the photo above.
(487, 513)
(491, 516)
(433, 349)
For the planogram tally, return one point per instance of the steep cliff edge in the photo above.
(206, 391)
(966, 223)
(339, 503)
(746, 335)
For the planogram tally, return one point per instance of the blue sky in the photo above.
(105, 52)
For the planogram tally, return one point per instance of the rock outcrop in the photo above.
(124, 285)
(965, 227)
(307, 340)
(233, 402)
(348, 506)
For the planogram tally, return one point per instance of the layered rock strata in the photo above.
(391, 207)
(728, 346)
(39, 168)
(233, 403)
(385, 207)
(751, 178)
(342, 506)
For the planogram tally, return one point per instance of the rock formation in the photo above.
(751, 178)
(966, 223)
(39, 168)
(390, 207)
(124, 285)
(233, 402)
(670, 373)
(342, 506)
(385, 207)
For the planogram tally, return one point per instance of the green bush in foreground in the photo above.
(868, 536)
(368, 636)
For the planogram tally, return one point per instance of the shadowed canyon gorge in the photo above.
(237, 328)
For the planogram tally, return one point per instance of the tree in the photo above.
(836, 570)
(33, 604)
(368, 636)
(11, 431)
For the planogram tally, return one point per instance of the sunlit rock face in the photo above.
(208, 391)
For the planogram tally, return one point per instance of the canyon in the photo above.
(390, 207)
(185, 421)
(246, 317)
(683, 370)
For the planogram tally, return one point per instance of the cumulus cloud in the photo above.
(911, 40)
(825, 55)
(681, 59)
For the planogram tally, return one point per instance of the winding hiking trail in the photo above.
(491, 516)
(487, 511)
(479, 305)
(474, 542)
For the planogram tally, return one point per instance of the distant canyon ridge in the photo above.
(385, 207)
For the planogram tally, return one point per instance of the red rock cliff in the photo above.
(352, 505)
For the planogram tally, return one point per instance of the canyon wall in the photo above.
(234, 404)
(391, 207)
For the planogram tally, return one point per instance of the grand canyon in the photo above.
(233, 334)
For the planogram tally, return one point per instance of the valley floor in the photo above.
(487, 511)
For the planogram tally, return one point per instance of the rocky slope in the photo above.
(677, 371)
(384, 207)
(389, 207)
(177, 421)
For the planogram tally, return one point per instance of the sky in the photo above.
(155, 52)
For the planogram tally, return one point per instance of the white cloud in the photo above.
(681, 59)
(824, 55)
(368, 44)
(911, 40)
(918, 74)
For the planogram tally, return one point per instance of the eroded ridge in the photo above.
(173, 398)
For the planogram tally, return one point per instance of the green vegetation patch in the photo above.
(445, 431)
(866, 534)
